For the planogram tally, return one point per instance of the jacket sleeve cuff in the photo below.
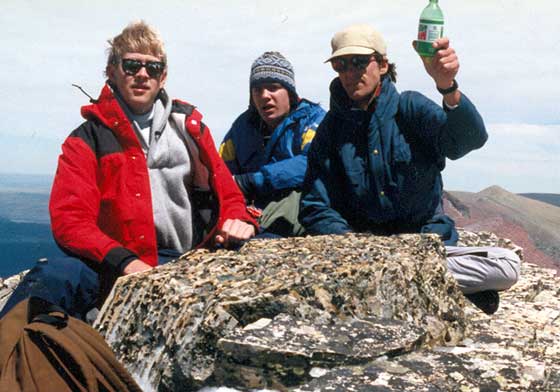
(449, 108)
(258, 180)
(329, 228)
(118, 258)
(340, 229)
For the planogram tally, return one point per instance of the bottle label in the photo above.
(429, 31)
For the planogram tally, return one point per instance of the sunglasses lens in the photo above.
(131, 67)
(339, 64)
(154, 68)
(360, 62)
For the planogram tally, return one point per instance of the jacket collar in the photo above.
(107, 110)
(386, 103)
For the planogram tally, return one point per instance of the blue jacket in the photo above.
(280, 167)
(381, 171)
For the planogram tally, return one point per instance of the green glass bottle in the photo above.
(430, 28)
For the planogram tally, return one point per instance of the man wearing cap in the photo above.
(266, 147)
(138, 183)
(375, 163)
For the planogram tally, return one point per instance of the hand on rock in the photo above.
(234, 231)
(135, 266)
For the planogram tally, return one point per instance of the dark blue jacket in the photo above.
(280, 167)
(381, 171)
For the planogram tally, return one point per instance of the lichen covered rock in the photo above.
(516, 349)
(333, 313)
(293, 304)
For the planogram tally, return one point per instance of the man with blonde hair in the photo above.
(138, 183)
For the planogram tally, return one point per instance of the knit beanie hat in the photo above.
(272, 67)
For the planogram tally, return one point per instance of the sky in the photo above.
(508, 51)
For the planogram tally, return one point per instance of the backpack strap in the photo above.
(116, 376)
(65, 355)
(41, 311)
(11, 326)
(53, 320)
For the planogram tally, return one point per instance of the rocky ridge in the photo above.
(334, 313)
(317, 342)
(266, 315)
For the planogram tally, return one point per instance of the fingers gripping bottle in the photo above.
(430, 29)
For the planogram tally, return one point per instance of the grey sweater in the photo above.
(170, 172)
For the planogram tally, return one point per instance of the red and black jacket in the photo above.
(101, 206)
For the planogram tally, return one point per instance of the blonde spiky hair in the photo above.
(138, 37)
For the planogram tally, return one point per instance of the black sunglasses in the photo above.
(360, 62)
(153, 68)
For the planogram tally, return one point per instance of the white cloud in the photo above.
(508, 51)
(518, 157)
(551, 133)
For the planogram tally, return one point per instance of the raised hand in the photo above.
(443, 67)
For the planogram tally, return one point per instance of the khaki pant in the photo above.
(281, 217)
(483, 268)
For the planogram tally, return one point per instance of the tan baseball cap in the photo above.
(357, 39)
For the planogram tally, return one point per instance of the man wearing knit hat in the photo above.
(375, 164)
(266, 147)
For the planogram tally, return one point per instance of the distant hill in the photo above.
(532, 224)
(550, 198)
(27, 183)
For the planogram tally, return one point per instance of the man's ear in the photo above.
(384, 66)
(110, 72)
(163, 78)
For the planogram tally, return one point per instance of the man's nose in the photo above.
(351, 73)
(353, 70)
(142, 73)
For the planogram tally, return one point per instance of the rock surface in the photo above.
(308, 345)
(516, 349)
(8, 285)
(267, 315)
(283, 352)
